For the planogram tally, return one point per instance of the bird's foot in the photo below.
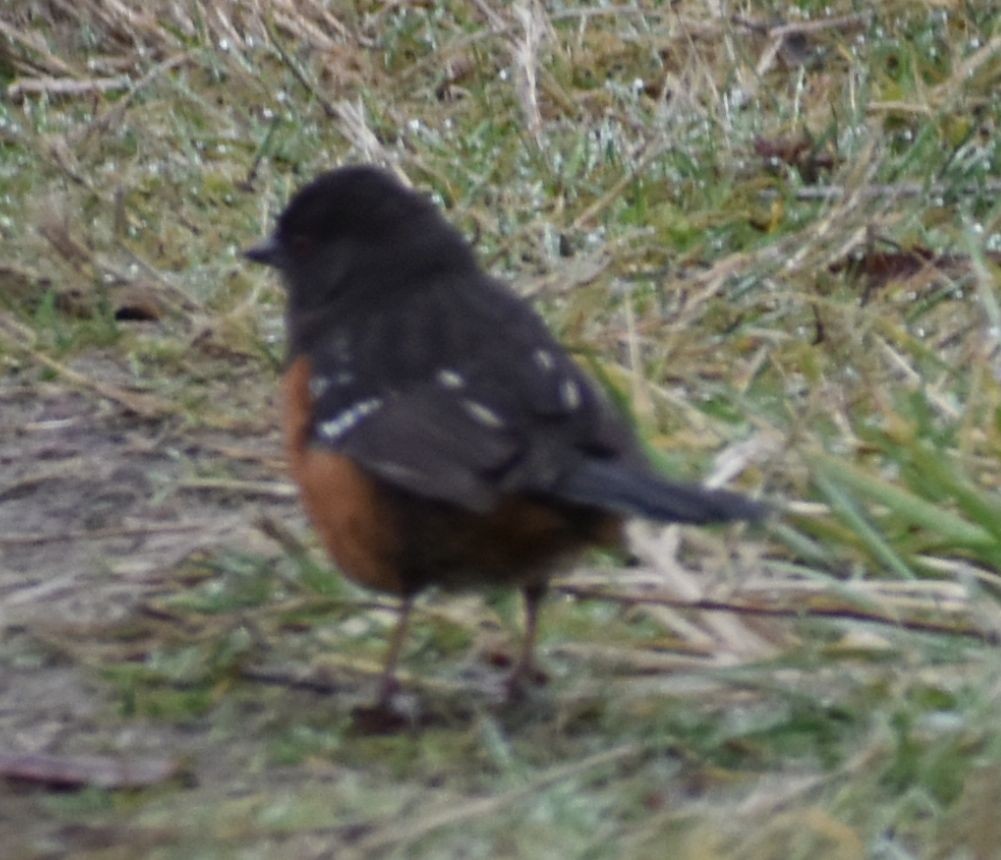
(523, 680)
(391, 712)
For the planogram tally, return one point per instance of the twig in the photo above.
(840, 22)
(899, 189)
(49, 60)
(69, 87)
(270, 460)
(525, 53)
(117, 110)
(80, 771)
(281, 534)
(898, 107)
(636, 168)
(275, 489)
(262, 150)
(965, 71)
(33, 538)
(328, 108)
(145, 405)
(804, 608)
(780, 31)
(291, 680)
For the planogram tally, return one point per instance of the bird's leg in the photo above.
(524, 667)
(388, 685)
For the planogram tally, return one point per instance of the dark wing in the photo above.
(422, 440)
(462, 395)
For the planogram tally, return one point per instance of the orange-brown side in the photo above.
(393, 541)
(340, 500)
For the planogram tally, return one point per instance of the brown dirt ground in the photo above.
(97, 513)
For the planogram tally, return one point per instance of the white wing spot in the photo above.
(544, 358)
(570, 392)
(483, 414)
(340, 424)
(450, 378)
(317, 385)
(396, 471)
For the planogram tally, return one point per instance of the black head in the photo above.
(359, 201)
(357, 232)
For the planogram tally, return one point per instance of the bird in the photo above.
(438, 432)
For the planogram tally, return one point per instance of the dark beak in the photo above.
(268, 252)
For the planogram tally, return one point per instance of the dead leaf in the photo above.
(73, 772)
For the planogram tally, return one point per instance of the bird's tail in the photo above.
(638, 493)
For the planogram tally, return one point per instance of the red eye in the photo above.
(301, 244)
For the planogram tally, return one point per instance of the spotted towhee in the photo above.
(438, 433)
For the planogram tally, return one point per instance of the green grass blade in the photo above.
(846, 508)
(950, 527)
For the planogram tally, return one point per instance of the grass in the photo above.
(774, 235)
